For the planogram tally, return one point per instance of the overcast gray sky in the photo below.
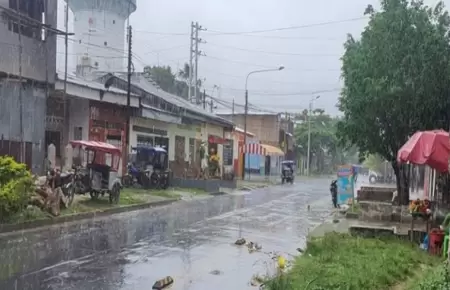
(310, 54)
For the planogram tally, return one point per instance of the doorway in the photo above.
(267, 165)
(53, 137)
(114, 140)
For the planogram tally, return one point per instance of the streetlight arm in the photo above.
(260, 71)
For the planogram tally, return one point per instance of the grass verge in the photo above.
(432, 278)
(128, 196)
(341, 261)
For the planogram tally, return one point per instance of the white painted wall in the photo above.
(78, 117)
(147, 123)
(185, 131)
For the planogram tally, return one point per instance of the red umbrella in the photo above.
(427, 147)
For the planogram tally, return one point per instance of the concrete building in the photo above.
(100, 33)
(265, 126)
(95, 113)
(273, 129)
(27, 74)
(173, 122)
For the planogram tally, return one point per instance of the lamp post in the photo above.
(246, 107)
(309, 134)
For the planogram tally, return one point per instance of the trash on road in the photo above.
(215, 272)
(163, 283)
(281, 262)
(253, 247)
(257, 280)
(240, 242)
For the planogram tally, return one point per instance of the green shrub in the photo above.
(10, 169)
(16, 184)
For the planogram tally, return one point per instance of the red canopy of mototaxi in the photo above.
(431, 148)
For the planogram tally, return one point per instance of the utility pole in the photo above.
(204, 99)
(129, 37)
(197, 98)
(309, 139)
(212, 105)
(66, 63)
(194, 53)
(22, 137)
(191, 56)
(309, 135)
(232, 111)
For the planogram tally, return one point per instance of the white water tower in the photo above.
(99, 27)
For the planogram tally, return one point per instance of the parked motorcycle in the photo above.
(131, 178)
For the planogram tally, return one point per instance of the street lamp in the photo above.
(309, 133)
(246, 106)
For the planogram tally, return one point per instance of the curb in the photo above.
(217, 193)
(7, 228)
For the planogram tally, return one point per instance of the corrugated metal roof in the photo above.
(150, 87)
(91, 84)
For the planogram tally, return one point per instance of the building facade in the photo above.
(27, 74)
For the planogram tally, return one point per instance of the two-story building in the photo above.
(262, 157)
(27, 74)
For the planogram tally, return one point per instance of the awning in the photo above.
(261, 149)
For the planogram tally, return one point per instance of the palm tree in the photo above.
(184, 72)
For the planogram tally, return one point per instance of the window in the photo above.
(144, 140)
(30, 8)
(191, 151)
(78, 133)
(228, 153)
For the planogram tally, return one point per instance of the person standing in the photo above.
(333, 191)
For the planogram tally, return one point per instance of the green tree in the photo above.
(396, 80)
(324, 143)
(170, 82)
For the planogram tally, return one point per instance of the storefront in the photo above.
(215, 153)
(107, 123)
(148, 132)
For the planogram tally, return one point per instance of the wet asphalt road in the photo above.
(190, 241)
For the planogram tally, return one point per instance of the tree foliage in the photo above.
(396, 78)
(324, 143)
(172, 82)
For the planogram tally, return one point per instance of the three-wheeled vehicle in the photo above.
(287, 171)
(97, 169)
(149, 166)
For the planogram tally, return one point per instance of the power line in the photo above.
(217, 32)
(290, 27)
(280, 94)
(273, 52)
(264, 66)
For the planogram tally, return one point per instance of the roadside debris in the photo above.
(253, 247)
(163, 283)
(240, 242)
(281, 262)
(215, 272)
(257, 280)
